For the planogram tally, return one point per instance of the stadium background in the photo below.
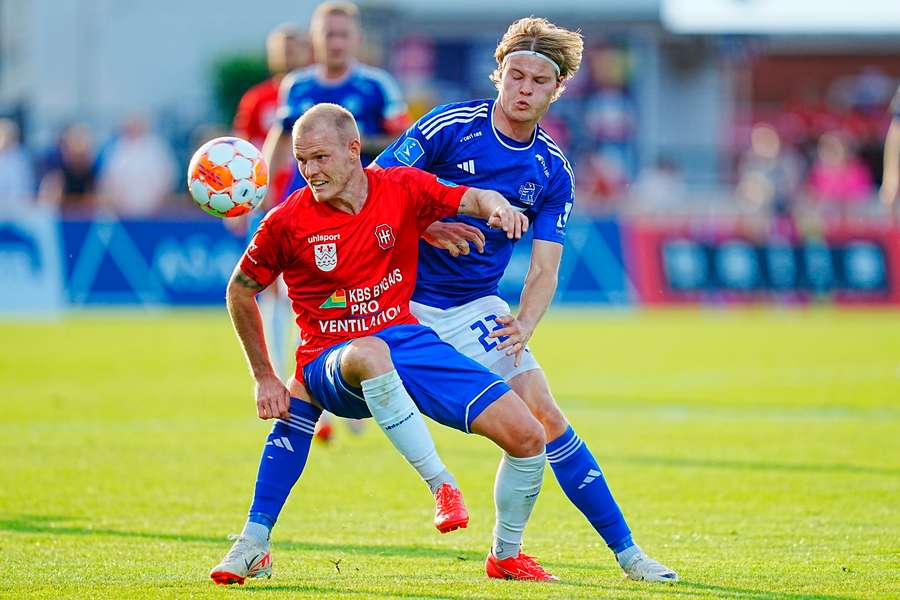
(658, 124)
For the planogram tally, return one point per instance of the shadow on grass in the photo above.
(827, 469)
(47, 524)
(365, 593)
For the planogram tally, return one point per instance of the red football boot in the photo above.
(449, 509)
(324, 431)
(521, 567)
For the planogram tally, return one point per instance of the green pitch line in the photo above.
(756, 452)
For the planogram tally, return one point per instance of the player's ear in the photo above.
(355, 146)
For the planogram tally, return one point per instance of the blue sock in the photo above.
(282, 462)
(582, 481)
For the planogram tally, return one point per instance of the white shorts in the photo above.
(466, 328)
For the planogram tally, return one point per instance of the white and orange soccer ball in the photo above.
(228, 177)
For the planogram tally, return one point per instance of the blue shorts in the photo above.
(447, 386)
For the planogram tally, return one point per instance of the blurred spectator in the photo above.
(769, 173)
(660, 186)
(16, 172)
(838, 176)
(287, 48)
(890, 180)
(138, 171)
(71, 179)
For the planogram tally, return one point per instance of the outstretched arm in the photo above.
(272, 398)
(890, 181)
(495, 209)
(540, 287)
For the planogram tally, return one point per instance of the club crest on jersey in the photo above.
(385, 236)
(326, 256)
(528, 192)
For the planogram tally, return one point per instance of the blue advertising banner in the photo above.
(108, 261)
(177, 262)
(592, 269)
(30, 273)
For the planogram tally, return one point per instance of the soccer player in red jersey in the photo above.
(347, 247)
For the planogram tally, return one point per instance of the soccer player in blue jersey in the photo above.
(499, 144)
(369, 93)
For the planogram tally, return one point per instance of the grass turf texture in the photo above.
(756, 452)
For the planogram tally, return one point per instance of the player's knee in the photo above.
(552, 418)
(366, 357)
(529, 439)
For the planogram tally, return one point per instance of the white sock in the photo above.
(515, 492)
(402, 423)
(256, 531)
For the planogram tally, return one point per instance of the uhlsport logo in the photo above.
(326, 256)
(385, 236)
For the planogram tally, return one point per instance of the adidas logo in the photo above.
(468, 166)
(592, 475)
(281, 442)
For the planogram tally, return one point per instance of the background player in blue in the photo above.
(369, 93)
(498, 144)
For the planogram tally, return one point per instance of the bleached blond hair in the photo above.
(562, 46)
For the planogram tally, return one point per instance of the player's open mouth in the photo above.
(317, 183)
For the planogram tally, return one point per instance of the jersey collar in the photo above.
(498, 137)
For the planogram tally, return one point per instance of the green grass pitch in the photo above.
(755, 451)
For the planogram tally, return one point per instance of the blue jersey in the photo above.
(369, 93)
(459, 142)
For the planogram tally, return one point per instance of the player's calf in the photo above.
(368, 362)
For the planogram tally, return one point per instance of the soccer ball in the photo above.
(228, 177)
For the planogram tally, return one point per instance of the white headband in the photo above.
(537, 54)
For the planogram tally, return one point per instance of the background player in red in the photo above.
(287, 49)
(347, 247)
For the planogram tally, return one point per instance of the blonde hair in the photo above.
(536, 34)
(334, 7)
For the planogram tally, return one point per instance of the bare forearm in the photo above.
(481, 203)
(247, 322)
(892, 153)
(540, 287)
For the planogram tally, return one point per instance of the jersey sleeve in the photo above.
(552, 219)
(246, 114)
(262, 259)
(431, 197)
(394, 115)
(288, 111)
(414, 148)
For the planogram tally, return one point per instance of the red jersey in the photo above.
(349, 276)
(256, 111)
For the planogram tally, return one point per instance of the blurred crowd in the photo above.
(824, 152)
(133, 174)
